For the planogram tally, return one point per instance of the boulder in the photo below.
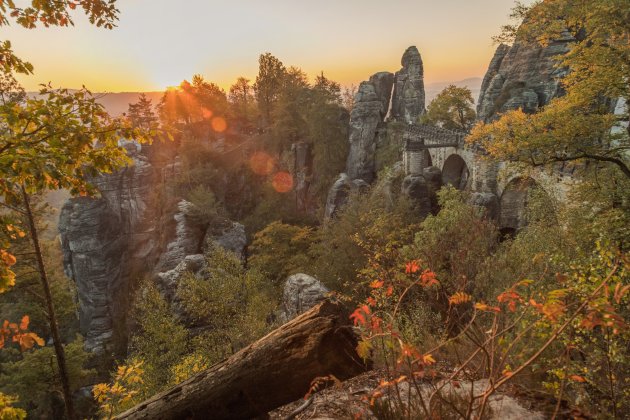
(416, 188)
(301, 292)
(231, 237)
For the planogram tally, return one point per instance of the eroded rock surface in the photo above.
(365, 117)
(301, 293)
(524, 76)
(408, 100)
(107, 240)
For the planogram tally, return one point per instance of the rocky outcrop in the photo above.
(383, 83)
(365, 117)
(416, 188)
(229, 236)
(524, 76)
(107, 240)
(187, 238)
(339, 193)
(408, 99)
(301, 293)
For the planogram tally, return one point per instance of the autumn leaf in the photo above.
(459, 298)
(577, 378)
(412, 267)
(363, 349)
(484, 307)
(376, 284)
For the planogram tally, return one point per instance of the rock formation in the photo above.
(301, 293)
(365, 117)
(107, 240)
(522, 76)
(408, 97)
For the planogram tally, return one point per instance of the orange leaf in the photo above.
(577, 378)
(376, 284)
(459, 298)
(24, 323)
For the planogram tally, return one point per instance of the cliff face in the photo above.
(106, 241)
(408, 98)
(521, 76)
(400, 97)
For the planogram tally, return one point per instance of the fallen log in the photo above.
(273, 371)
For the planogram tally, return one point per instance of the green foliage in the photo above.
(269, 80)
(368, 221)
(161, 339)
(33, 376)
(453, 108)
(142, 115)
(207, 210)
(231, 305)
(280, 250)
(454, 243)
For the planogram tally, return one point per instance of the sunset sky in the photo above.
(158, 43)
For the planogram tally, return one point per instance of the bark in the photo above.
(50, 310)
(275, 370)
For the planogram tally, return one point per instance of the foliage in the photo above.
(579, 126)
(339, 253)
(120, 394)
(502, 339)
(34, 376)
(269, 80)
(452, 109)
(142, 115)
(206, 209)
(188, 366)
(280, 250)
(230, 304)
(161, 339)
(7, 411)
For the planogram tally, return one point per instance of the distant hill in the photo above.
(118, 103)
(472, 83)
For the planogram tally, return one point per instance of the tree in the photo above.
(141, 114)
(280, 250)
(581, 125)
(452, 109)
(268, 84)
(242, 101)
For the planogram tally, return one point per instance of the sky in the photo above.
(159, 43)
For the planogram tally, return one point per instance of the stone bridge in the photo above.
(501, 187)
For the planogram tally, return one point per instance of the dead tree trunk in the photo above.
(271, 372)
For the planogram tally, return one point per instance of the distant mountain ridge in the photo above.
(473, 83)
(117, 103)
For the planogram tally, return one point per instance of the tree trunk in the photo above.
(275, 370)
(50, 309)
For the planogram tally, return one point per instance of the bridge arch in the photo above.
(522, 200)
(455, 172)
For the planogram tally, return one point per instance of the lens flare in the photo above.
(219, 124)
(207, 114)
(282, 182)
(261, 163)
